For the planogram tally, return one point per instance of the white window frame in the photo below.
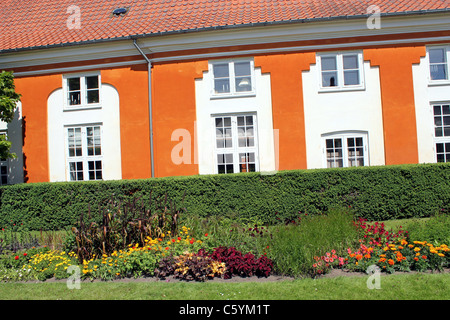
(340, 71)
(233, 93)
(344, 136)
(438, 82)
(441, 139)
(235, 150)
(84, 157)
(83, 91)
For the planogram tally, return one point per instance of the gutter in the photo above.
(150, 107)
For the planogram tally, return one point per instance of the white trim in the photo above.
(340, 71)
(442, 82)
(235, 150)
(83, 91)
(230, 53)
(271, 34)
(84, 158)
(344, 135)
(233, 93)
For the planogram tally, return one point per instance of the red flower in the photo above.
(17, 258)
(25, 254)
(191, 242)
(206, 234)
(179, 238)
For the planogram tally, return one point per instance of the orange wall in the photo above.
(174, 108)
(397, 98)
(35, 92)
(132, 85)
(287, 104)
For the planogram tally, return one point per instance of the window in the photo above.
(342, 70)
(442, 131)
(83, 90)
(232, 78)
(438, 59)
(84, 153)
(346, 150)
(236, 143)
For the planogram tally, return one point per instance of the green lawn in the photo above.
(393, 287)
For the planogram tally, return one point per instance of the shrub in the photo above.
(376, 193)
(436, 229)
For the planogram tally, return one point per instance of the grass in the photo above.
(418, 286)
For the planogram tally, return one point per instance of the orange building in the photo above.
(187, 87)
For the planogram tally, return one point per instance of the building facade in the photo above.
(340, 88)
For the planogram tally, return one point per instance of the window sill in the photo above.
(342, 89)
(81, 108)
(435, 83)
(231, 96)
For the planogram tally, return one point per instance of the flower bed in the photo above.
(389, 251)
(186, 255)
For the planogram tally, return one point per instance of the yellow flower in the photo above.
(416, 249)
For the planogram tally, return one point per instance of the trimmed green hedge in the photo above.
(376, 193)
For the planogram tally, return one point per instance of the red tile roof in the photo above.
(36, 23)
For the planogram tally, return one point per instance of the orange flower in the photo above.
(359, 257)
(424, 257)
(391, 262)
(416, 259)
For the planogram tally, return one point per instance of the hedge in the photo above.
(375, 193)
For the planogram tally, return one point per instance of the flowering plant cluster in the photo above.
(398, 255)
(376, 234)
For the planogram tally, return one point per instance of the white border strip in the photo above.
(232, 53)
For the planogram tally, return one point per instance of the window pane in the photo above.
(221, 71)
(446, 131)
(446, 120)
(437, 55)
(93, 96)
(225, 163)
(334, 153)
(446, 109)
(438, 72)
(95, 170)
(76, 171)
(222, 86)
(439, 147)
(437, 110)
(247, 162)
(351, 78)
(350, 62)
(328, 63)
(92, 82)
(243, 84)
(438, 131)
(329, 79)
(242, 69)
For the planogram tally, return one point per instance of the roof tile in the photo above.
(35, 23)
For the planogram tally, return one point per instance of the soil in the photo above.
(273, 278)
